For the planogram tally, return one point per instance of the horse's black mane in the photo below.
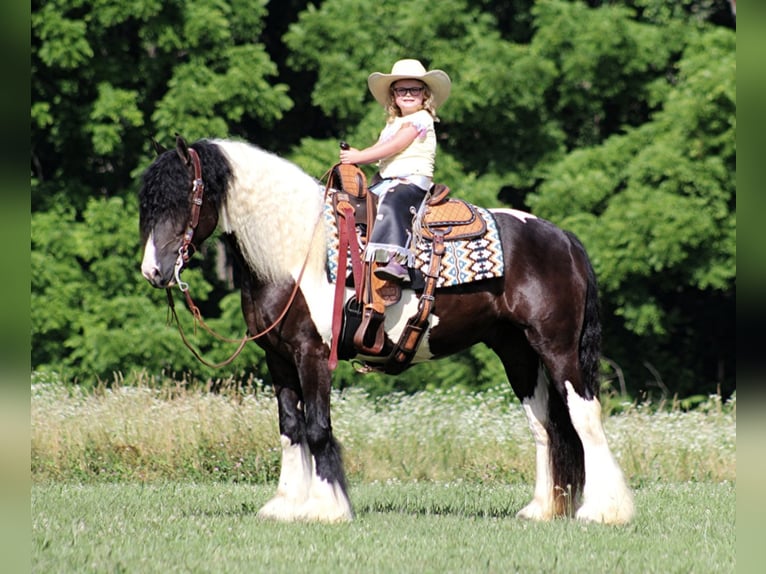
(166, 184)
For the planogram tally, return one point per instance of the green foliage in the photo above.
(489, 122)
(603, 69)
(655, 206)
(113, 111)
(64, 41)
(109, 75)
(614, 120)
(88, 308)
(92, 313)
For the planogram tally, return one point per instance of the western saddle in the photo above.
(357, 326)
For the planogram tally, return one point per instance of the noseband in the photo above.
(198, 190)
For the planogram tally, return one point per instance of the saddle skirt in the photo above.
(473, 251)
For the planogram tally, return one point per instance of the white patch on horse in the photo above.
(395, 321)
(397, 317)
(521, 215)
(536, 408)
(606, 496)
(319, 295)
(275, 239)
(149, 264)
(294, 483)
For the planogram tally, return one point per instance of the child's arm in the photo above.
(401, 139)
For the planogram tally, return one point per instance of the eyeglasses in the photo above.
(416, 91)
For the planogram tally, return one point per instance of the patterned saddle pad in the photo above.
(464, 261)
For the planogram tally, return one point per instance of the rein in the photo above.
(198, 189)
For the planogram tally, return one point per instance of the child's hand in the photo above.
(350, 155)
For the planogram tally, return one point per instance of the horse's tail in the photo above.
(566, 450)
(590, 337)
(567, 459)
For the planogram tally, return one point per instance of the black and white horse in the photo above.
(541, 318)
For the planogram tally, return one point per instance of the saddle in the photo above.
(443, 220)
(358, 326)
(454, 219)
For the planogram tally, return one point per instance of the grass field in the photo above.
(399, 528)
(138, 479)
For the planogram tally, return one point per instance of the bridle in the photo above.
(198, 190)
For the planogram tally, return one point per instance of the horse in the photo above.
(541, 318)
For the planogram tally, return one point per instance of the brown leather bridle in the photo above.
(198, 190)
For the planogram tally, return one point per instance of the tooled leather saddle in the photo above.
(357, 326)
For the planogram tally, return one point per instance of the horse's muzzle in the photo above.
(156, 278)
(157, 267)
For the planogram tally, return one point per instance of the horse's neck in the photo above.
(274, 211)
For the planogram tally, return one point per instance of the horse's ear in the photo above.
(159, 149)
(182, 149)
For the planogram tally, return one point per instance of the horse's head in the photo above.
(176, 216)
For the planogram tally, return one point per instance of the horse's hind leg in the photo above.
(606, 497)
(603, 496)
(583, 466)
(536, 408)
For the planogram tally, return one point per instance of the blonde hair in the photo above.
(393, 111)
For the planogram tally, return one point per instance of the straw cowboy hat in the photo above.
(436, 80)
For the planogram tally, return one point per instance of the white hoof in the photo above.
(535, 511)
(280, 508)
(319, 512)
(616, 512)
(326, 503)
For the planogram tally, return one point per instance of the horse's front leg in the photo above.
(328, 498)
(296, 468)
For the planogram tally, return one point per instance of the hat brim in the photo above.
(438, 83)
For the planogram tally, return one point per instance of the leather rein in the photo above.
(198, 190)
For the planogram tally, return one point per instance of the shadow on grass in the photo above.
(246, 509)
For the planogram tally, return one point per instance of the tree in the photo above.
(562, 123)
(656, 207)
(615, 120)
(107, 76)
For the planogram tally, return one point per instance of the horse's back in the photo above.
(534, 247)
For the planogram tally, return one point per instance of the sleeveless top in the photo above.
(418, 157)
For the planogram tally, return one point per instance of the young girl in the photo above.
(405, 153)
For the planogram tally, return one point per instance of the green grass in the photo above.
(142, 479)
(401, 527)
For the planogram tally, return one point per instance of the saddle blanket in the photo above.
(464, 261)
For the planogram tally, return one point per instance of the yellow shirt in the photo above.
(418, 157)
